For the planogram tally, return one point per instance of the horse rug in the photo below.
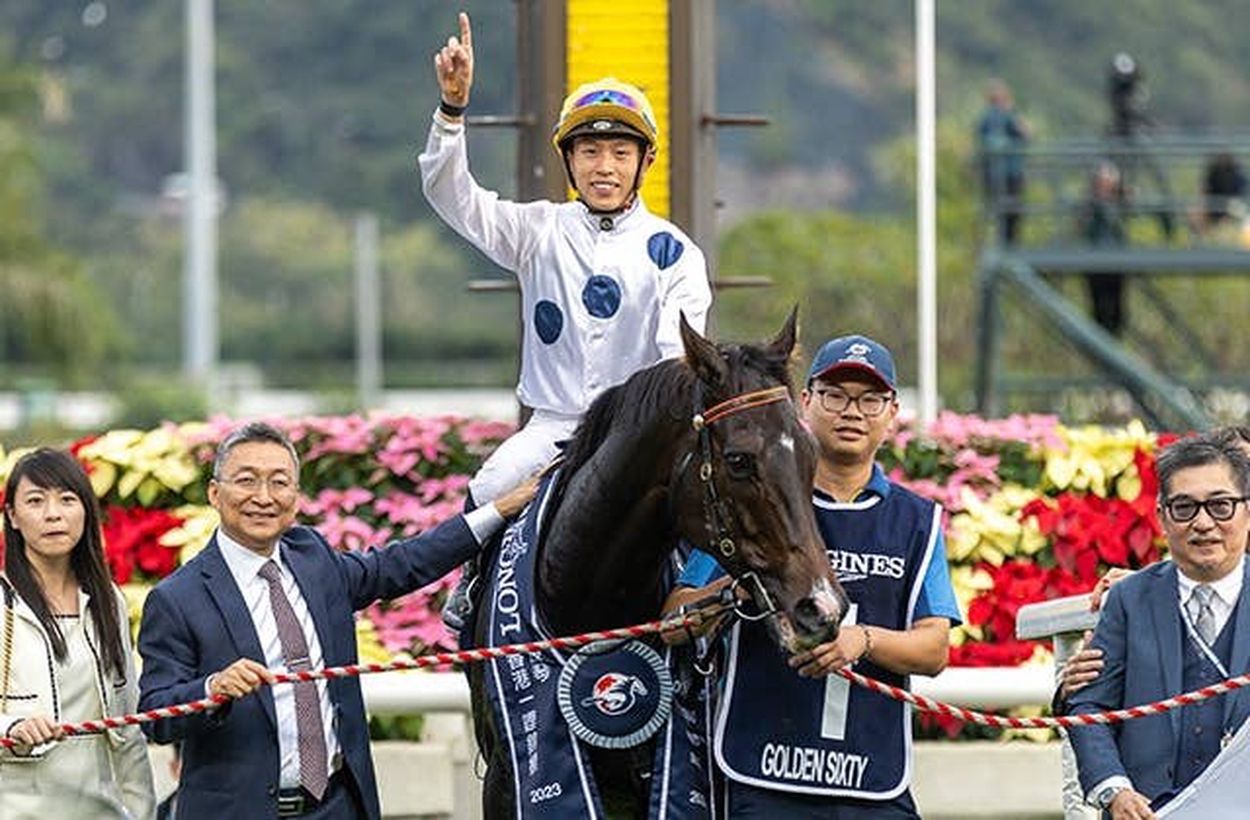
(551, 706)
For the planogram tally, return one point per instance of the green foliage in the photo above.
(148, 401)
(1055, 57)
(857, 273)
(396, 727)
(847, 273)
(48, 315)
(322, 105)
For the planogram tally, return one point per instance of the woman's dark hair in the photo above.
(51, 469)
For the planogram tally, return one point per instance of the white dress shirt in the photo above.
(244, 565)
(1227, 590)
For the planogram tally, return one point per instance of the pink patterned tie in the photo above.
(313, 764)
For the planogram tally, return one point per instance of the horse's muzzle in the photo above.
(814, 619)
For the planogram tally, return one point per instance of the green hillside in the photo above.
(322, 105)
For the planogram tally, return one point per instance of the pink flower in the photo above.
(410, 514)
(351, 533)
(476, 432)
(413, 623)
(343, 435)
(957, 431)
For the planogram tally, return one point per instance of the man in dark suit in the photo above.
(266, 594)
(1173, 627)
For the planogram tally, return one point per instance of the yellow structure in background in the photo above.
(629, 41)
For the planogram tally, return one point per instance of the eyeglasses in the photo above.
(870, 404)
(607, 95)
(280, 484)
(1183, 508)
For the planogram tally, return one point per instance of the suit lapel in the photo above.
(1167, 629)
(304, 567)
(1235, 702)
(225, 593)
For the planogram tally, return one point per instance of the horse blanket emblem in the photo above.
(615, 696)
(612, 694)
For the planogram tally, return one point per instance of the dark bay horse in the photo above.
(708, 449)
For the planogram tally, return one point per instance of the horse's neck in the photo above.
(605, 548)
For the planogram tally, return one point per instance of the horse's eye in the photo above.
(741, 465)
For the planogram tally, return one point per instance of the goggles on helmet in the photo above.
(608, 100)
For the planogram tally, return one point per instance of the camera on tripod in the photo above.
(1128, 96)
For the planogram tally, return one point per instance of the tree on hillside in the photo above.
(50, 314)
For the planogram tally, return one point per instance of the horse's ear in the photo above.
(783, 343)
(702, 355)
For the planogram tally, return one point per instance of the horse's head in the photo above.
(746, 487)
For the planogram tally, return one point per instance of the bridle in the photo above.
(715, 511)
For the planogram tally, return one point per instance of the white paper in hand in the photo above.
(1222, 792)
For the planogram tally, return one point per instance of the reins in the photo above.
(715, 510)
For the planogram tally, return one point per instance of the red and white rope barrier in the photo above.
(998, 721)
(692, 619)
(354, 670)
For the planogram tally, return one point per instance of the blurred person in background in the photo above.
(1101, 224)
(1001, 136)
(1222, 215)
(65, 655)
(1222, 182)
(1129, 130)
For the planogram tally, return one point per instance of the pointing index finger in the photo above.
(466, 34)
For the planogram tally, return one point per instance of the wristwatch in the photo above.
(1103, 798)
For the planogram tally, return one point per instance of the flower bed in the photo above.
(1034, 510)
(366, 480)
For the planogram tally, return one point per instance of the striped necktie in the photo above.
(310, 729)
(1201, 613)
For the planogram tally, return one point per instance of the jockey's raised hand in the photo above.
(453, 65)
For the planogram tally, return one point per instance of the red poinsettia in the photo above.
(132, 541)
(1016, 583)
(1144, 504)
(1086, 530)
(1005, 653)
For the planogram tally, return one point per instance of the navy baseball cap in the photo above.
(853, 353)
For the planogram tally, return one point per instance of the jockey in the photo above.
(603, 281)
(798, 741)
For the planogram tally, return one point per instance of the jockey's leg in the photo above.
(524, 453)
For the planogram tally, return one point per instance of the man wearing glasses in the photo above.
(267, 594)
(603, 280)
(810, 745)
(1172, 627)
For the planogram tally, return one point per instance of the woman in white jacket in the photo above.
(65, 655)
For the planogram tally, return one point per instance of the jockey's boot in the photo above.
(459, 604)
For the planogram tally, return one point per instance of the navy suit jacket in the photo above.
(195, 623)
(1140, 633)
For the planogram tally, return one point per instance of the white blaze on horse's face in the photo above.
(755, 485)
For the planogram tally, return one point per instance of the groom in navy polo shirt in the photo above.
(790, 739)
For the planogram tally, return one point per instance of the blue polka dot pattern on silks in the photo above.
(601, 296)
(548, 321)
(664, 249)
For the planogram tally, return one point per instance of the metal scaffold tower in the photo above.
(1161, 235)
